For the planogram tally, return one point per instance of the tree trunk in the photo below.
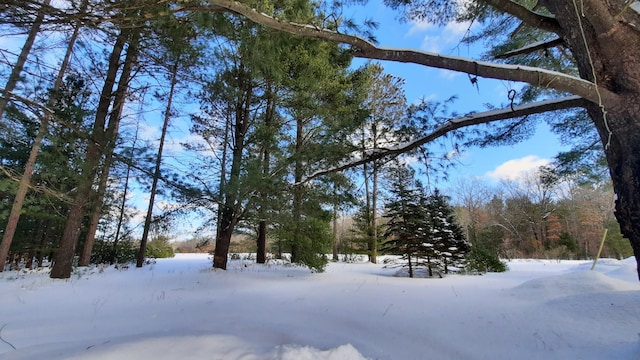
(25, 181)
(297, 191)
(23, 187)
(156, 173)
(606, 53)
(367, 195)
(223, 172)
(334, 230)
(231, 212)
(261, 252)
(623, 156)
(94, 219)
(374, 218)
(223, 241)
(123, 204)
(110, 139)
(63, 262)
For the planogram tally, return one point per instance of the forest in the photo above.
(266, 134)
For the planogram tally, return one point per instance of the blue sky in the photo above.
(490, 164)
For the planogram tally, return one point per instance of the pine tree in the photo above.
(445, 235)
(387, 105)
(407, 223)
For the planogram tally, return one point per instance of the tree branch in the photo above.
(541, 45)
(458, 123)
(531, 18)
(365, 49)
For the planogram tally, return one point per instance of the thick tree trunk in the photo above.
(606, 51)
(94, 221)
(623, 156)
(223, 173)
(63, 262)
(223, 241)
(231, 213)
(261, 252)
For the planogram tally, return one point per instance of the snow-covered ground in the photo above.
(181, 309)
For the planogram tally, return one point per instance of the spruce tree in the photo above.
(406, 226)
(445, 235)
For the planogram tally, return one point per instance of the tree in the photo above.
(159, 247)
(445, 235)
(471, 195)
(105, 134)
(407, 220)
(25, 180)
(387, 107)
(17, 68)
(601, 39)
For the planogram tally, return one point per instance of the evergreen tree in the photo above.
(407, 225)
(387, 107)
(445, 235)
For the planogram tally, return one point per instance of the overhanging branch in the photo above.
(458, 123)
(531, 18)
(365, 49)
(542, 45)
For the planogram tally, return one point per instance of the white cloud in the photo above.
(419, 27)
(432, 44)
(147, 132)
(516, 168)
(441, 40)
(448, 74)
(456, 30)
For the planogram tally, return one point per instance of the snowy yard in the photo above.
(181, 309)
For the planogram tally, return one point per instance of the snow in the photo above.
(181, 308)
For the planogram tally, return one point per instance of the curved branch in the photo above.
(458, 123)
(531, 18)
(365, 49)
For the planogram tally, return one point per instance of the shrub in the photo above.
(483, 260)
(104, 252)
(159, 248)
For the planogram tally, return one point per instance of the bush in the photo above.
(159, 248)
(104, 252)
(483, 260)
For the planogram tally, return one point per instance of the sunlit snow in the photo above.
(182, 309)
